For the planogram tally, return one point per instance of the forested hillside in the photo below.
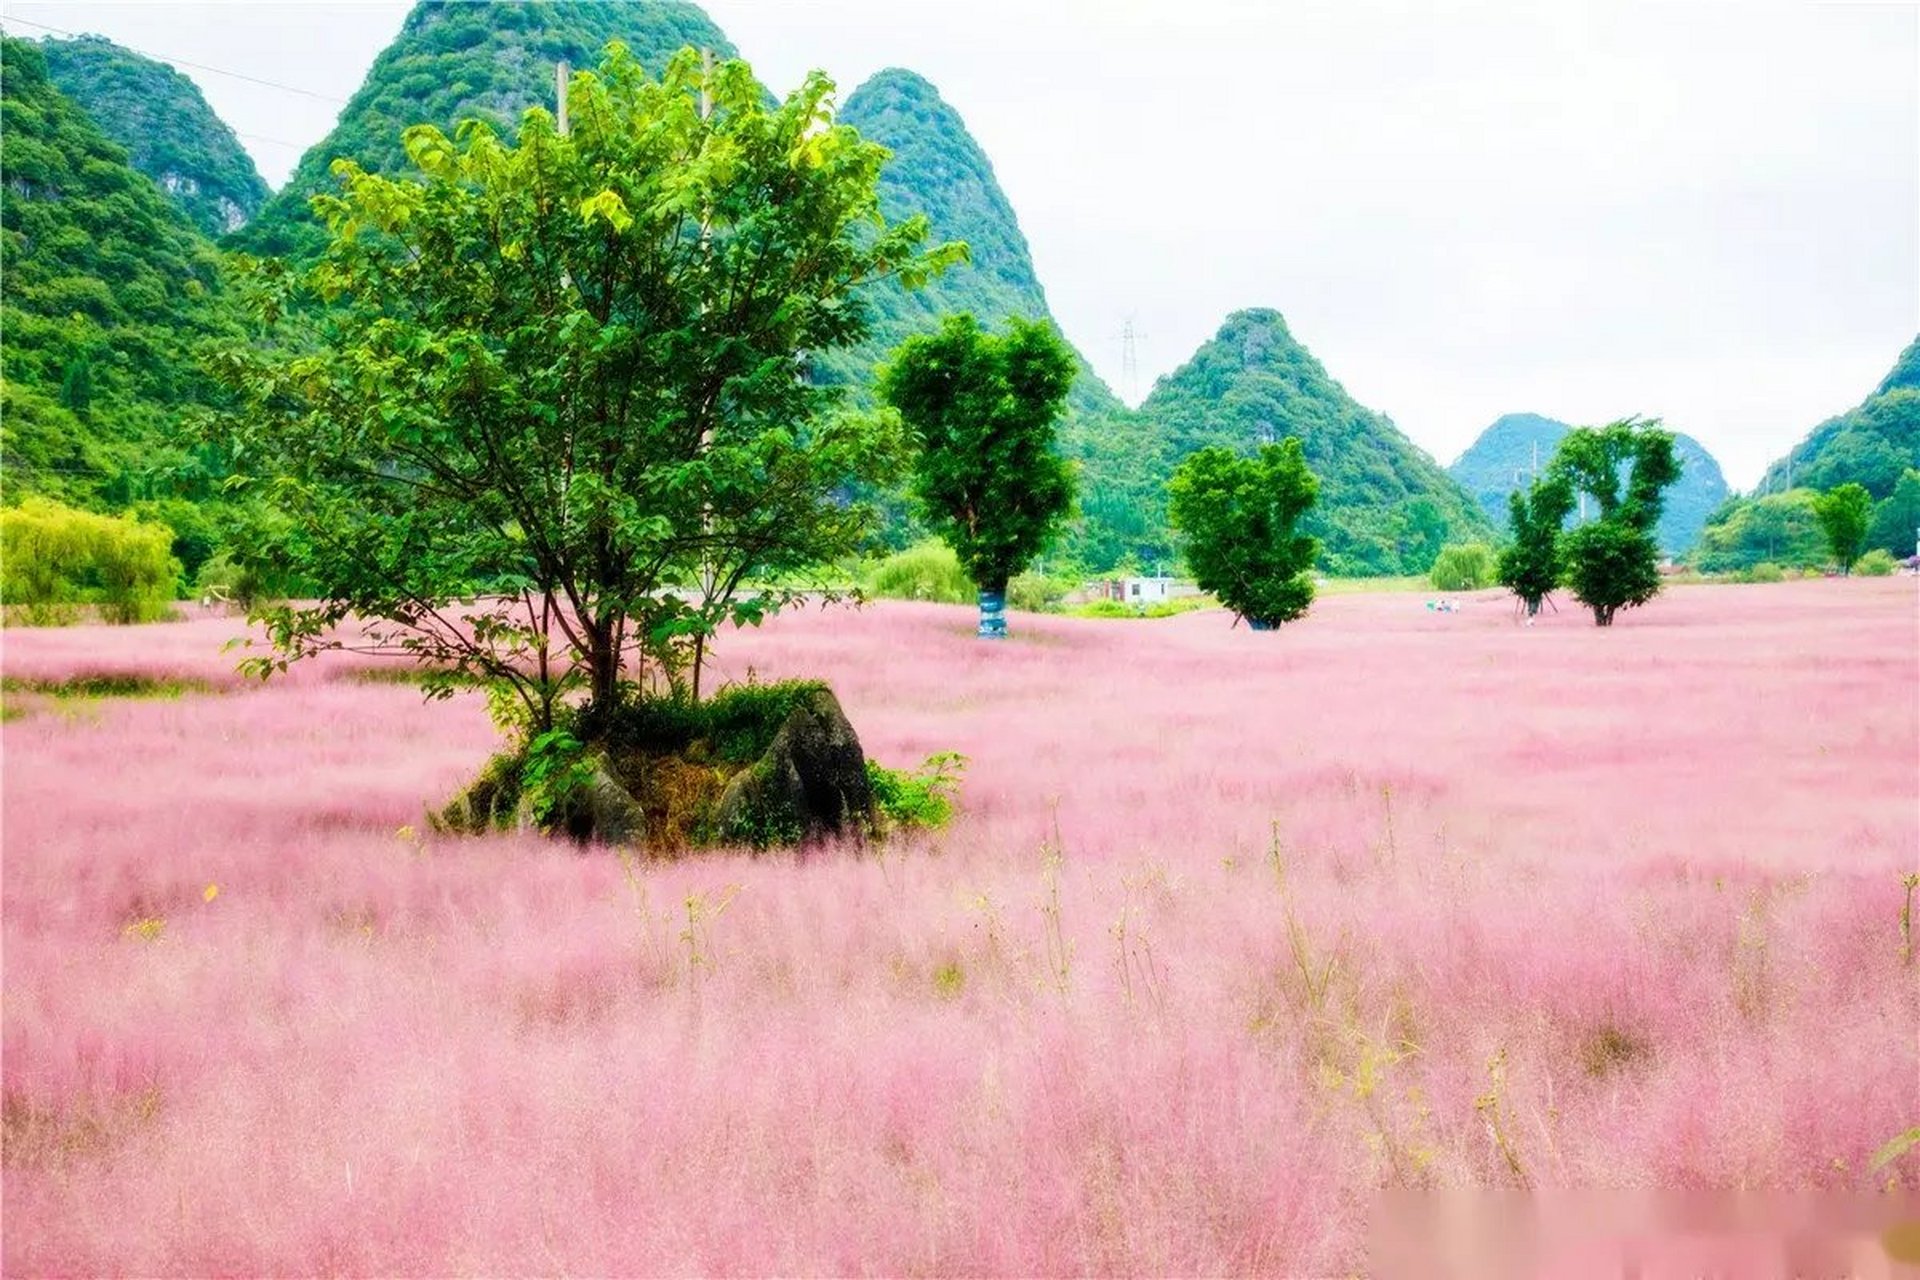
(453, 61)
(1871, 444)
(1875, 445)
(169, 132)
(108, 288)
(1385, 506)
(1505, 455)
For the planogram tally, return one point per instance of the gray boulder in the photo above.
(600, 810)
(811, 783)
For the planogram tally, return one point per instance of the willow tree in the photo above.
(547, 413)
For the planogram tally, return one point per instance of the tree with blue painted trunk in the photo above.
(984, 412)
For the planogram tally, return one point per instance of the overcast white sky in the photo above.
(1705, 211)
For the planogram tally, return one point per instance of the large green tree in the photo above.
(983, 411)
(1845, 512)
(1612, 562)
(1240, 518)
(1530, 563)
(552, 419)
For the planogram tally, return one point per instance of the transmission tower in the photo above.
(1130, 360)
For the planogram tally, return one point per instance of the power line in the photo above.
(197, 66)
(272, 142)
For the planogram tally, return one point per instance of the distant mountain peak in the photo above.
(1385, 506)
(169, 132)
(938, 169)
(898, 80)
(455, 60)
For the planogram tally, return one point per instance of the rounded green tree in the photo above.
(1845, 512)
(1613, 561)
(983, 411)
(1239, 517)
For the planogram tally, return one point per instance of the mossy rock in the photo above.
(489, 803)
(810, 783)
(759, 765)
(599, 811)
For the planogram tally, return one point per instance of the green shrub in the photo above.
(923, 798)
(1037, 593)
(1877, 563)
(735, 725)
(1464, 566)
(227, 577)
(1765, 571)
(925, 571)
(741, 720)
(57, 559)
(1158, 609)
(556, 768)
(1104, 609)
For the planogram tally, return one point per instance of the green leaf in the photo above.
(1894, 1149)
(609, 206)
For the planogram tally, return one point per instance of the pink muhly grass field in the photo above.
(1230, 932)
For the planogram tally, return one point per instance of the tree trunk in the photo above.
(993, 612)
(603, 680)
(1533, 607)
(1603, 615)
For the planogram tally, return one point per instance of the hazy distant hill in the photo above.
(456, 60)
(1385, 506)
(1504, 457)
(939, 170)
(108, 287)
(167, 128)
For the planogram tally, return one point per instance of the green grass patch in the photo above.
(107, 685)
(408, 674)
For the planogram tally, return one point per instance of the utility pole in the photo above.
(709, 571)
(562, 72)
